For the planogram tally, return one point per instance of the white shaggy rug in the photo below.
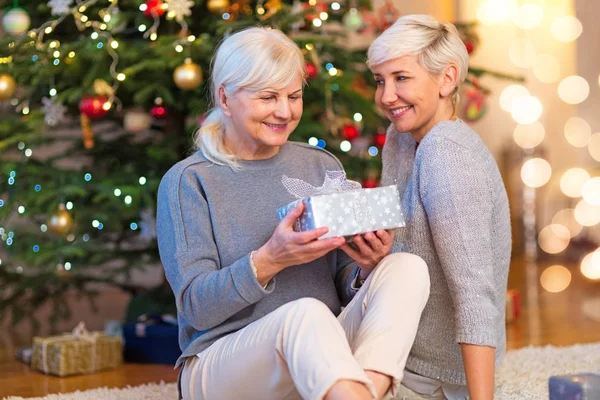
(523, 376)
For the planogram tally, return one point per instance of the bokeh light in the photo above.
(590, 265)
(573, 89)
(591, 191)
(577, 132)
(594, 146)
(567, 219)
(536, 172)
(566, 29)
(510, 94)
(554, 238)
(526, 110)
(530, 135)
(528, 16)
(555, 278)
(522, 52)
(572, 181)
(546, 68)
(491, 12)
(587, 214)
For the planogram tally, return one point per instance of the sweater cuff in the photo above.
(245, 281)
(477, 327)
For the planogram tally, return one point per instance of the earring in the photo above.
(444, 93)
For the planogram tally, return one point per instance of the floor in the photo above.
(546, 318)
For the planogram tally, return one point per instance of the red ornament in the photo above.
(470, 46)
(158, 112)
(475, 106)
(318, 9)
(154, 7)
(370, 183)
(350, 132)
(93, 106)
(379, 139)
(311, 71)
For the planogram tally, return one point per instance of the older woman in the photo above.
(456, 209)
(259, 304)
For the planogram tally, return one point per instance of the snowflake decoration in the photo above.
(180, 8)
(54, 111)
(60, 7)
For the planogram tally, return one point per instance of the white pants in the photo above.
(301, 349)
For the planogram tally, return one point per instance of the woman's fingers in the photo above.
(386, 237)
(292, 216)
(363, 247)
(374, 241)
(353, 254)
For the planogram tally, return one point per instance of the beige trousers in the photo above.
(301, 349)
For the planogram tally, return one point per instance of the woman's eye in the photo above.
(295, 97)
(267, 98)
(379, 82)
(401, 78)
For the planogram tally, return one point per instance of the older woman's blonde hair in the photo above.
(253, 59)
(436, 45)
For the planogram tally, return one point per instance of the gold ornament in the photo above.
(61, 222)
(7, 86)
(188, 76)
(272, 7)
(102, 88)
(217, 6)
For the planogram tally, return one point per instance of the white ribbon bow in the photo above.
(78, 333)
(335, 182)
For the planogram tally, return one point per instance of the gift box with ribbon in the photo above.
(80, 352)
(340, 205)
(153, 339)
(575, 387)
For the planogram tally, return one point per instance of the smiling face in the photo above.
(260, 122)
(412, 99)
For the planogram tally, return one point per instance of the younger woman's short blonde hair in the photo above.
(436, 45)
(253, 59)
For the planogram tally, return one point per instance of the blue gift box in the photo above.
(575, 387)
(147, 343)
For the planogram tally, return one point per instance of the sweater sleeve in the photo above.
(346, 270)
(456, 194)
(206, 292)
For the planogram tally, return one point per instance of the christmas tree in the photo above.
(99, 98)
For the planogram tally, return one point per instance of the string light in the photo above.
(142, 180)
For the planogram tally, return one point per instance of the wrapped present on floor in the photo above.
(575, 387)
(154, 339)
(343, 207)
(513, 305)
(80, 352)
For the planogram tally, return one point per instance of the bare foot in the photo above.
(382, 382)
(348, 390)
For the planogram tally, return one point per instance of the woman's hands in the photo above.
(287, 247)
(369, 250)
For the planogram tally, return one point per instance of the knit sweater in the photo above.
(457, 220)
(211, 217)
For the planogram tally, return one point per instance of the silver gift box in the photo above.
(350, 212)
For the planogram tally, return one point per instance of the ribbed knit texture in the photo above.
(458, 221)
(211, 217)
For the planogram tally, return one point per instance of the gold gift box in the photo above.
(81, 352)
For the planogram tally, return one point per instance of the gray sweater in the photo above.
(211, 217)
(457, 220)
